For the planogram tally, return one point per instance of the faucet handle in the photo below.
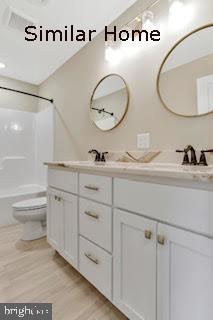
(180, 151)
(185, 158)
(103, 156)
(203, 161)
(207, 151)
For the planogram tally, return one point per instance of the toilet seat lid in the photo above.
(31, 204)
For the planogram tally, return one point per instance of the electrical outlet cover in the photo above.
(143, 141)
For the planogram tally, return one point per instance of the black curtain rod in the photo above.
(28, 94)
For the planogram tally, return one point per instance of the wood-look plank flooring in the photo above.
(33, 272)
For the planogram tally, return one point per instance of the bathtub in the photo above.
(10, 196)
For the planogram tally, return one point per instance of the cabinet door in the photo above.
(54, 220)
(70, 226)
(134, 278)
(185, 275)
(62, 224)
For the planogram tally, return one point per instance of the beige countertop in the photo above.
(129, 169)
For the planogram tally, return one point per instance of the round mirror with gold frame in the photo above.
(109, 102)
(185, 79)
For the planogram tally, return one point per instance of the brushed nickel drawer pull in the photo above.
(89, 187)
(148, 234)
(161, 240)
(89, 256)
(92, 215)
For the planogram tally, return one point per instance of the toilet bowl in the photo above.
(32, 215)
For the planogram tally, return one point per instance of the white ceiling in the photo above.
(33, 62)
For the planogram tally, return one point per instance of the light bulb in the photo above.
(113, 55)
(178, 14)
(148, 20)
(176, 7)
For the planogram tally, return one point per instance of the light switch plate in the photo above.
(143, 141)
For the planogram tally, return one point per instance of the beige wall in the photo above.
(16, 101)
(179, 85)
(72, 85)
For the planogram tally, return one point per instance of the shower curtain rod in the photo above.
(28, 94)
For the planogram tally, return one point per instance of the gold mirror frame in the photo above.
(162, 65)
(127, 103)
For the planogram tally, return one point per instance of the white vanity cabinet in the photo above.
(62, 224)
(147, 247)
(134, 266)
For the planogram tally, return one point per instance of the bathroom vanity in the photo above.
(142, 234)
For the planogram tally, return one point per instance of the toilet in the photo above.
(31, 214)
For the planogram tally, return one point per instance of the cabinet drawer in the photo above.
(185, 207)
(63, 180)
(96, 223)
(95, 264)
(96, 188)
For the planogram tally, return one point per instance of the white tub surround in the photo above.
(142, 234)
(26, 142)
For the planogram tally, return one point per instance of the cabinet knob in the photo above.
(161, 239)
(148, 234)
